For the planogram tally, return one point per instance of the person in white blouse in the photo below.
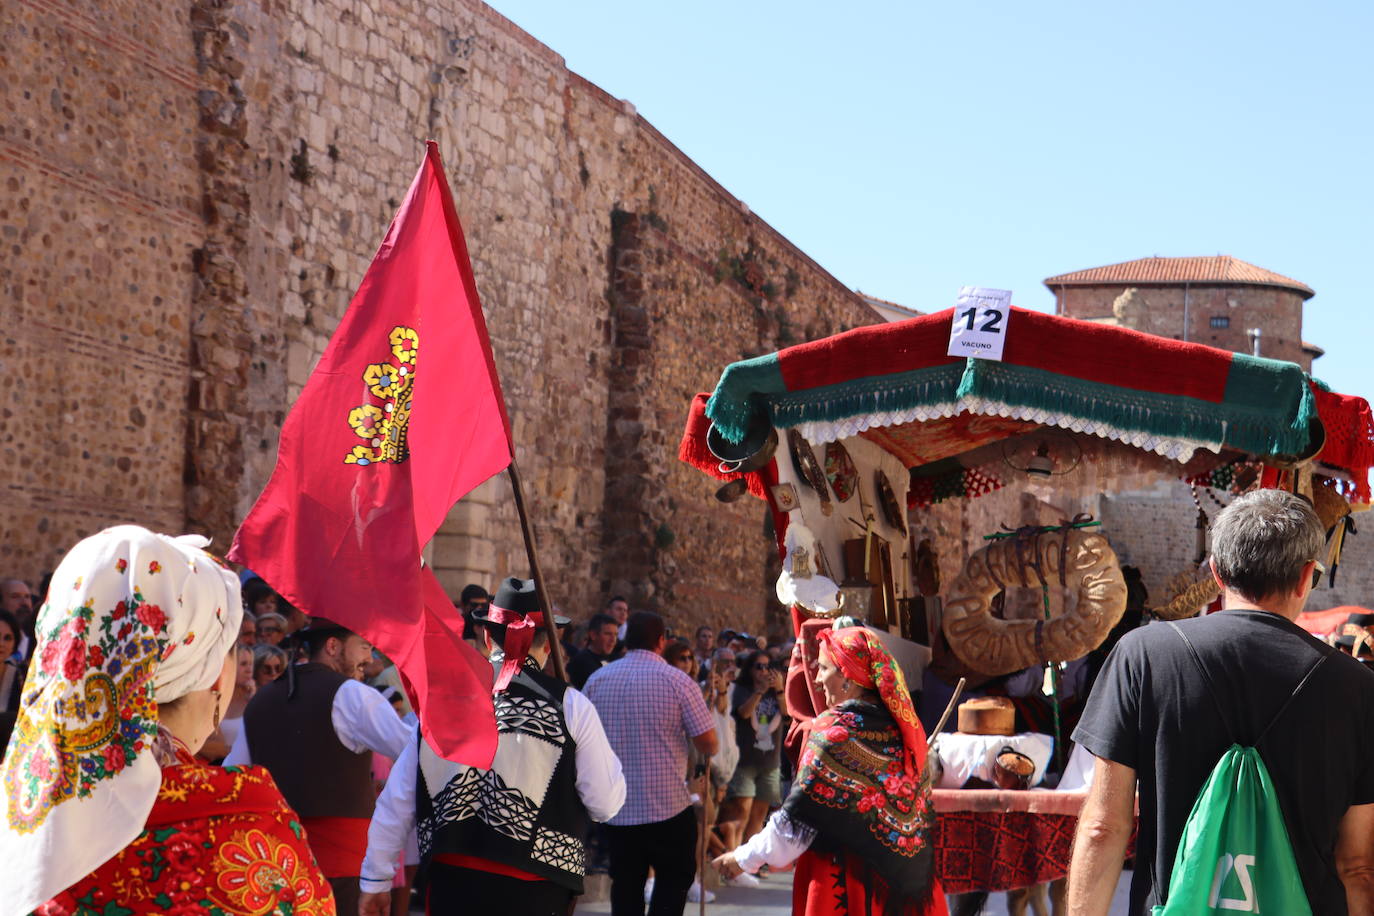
(508, 838)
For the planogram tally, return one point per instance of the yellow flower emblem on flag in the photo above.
(404, 344)
(382, 423)
(383, 379)
(366, 420)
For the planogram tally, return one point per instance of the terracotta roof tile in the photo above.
(1219, 269)
(875, 300)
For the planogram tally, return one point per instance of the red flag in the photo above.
(402, 417)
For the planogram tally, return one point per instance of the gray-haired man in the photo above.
(1155, 718)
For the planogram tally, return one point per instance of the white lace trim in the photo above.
(1175, 449)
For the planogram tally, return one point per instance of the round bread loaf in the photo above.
(987, 716)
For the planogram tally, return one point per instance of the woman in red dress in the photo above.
(859, 820)
(107, 808)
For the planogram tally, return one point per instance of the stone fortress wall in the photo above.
(190, 191)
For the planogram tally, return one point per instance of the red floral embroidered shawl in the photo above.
(220, 841)
(862, 786)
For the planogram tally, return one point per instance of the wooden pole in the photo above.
(545, 608)
(706, 793)
(949, 708)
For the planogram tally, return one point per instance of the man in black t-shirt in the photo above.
(1153, 719)
(602, 633)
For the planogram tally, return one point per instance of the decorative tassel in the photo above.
(1200, 551)
(1337, 543)
(1201, 545)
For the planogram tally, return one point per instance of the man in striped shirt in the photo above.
(650, 711)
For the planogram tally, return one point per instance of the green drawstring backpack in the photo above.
(1235, 856)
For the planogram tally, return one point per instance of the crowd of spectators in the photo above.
(739, 678)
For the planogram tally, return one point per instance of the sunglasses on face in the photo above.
(1317, 572)
(761, 667)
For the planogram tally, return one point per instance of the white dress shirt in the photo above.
(362, 719)
(780, 843)
(600, 785)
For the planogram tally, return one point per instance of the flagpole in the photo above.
(544, 607)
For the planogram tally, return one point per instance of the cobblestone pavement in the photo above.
(774, 898)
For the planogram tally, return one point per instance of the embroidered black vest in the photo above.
(525, 811)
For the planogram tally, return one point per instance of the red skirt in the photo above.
(827, 886)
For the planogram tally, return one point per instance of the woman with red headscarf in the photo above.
(859, 820)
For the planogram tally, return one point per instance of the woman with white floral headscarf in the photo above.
(106, 807)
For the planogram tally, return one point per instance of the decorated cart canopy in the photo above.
(1164, 396)
(880, 420)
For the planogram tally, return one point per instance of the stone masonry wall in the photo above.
(1157, 533)
(1160, 310)
(681, 313)
(191, 192)
(100, 216)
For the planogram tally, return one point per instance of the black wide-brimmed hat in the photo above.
(517, 596)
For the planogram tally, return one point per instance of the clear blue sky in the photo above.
(911, 148)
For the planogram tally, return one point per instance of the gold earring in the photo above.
(215, 714)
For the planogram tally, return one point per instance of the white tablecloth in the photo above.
(966, 756)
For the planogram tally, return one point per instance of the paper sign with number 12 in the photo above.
(979, 326)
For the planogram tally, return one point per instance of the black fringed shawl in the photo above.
(852, 791)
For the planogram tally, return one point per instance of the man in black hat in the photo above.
(473, 602)
(509, 838)
(315, 729)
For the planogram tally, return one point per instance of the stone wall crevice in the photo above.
(216, 417)
(627, 556)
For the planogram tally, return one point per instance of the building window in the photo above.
(1221, 321)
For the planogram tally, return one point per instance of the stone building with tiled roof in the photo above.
(1221, 301)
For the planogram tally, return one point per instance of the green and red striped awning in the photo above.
(894, 384)
(1162, 395)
